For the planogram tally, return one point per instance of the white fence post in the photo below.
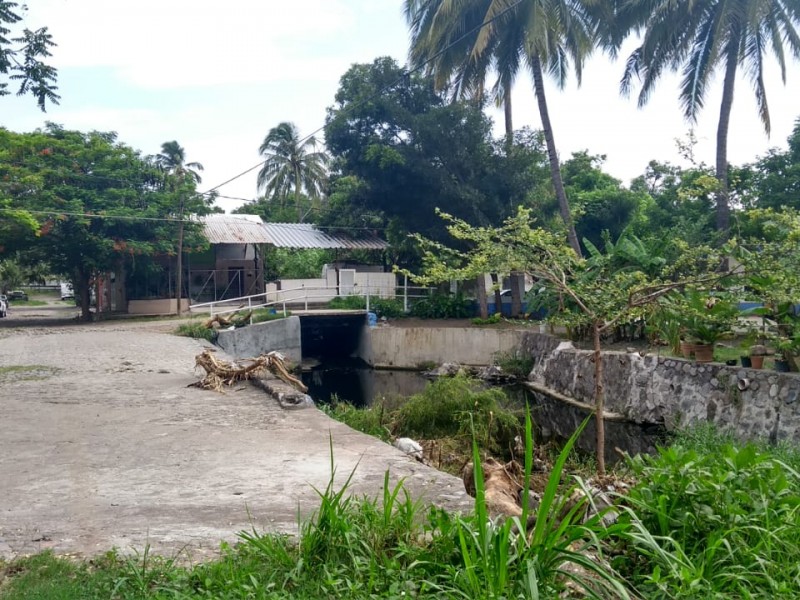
(405, 293)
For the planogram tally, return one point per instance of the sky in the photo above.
(217, 76)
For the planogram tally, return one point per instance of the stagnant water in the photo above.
(360, 385)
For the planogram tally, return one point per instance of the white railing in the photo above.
(301, 296)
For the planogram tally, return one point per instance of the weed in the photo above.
(196, 329)
(389, 308)
(262, 315)
(442, 306)
(490, 320)
(515, 362)
(27, 372)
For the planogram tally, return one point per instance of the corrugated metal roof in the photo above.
(235, 229)
(305, 235)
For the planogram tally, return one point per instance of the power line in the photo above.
(380, 92)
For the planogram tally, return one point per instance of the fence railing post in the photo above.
(250, 308)
(305, 296)
(405, 293)
(367, 292)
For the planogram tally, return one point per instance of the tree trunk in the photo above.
(507, 114)
(297, 194)
(555, 167)
(599, 401)
(723, 204)
(179, 274)
(82, 283)
(516, 293)
(498, 298)
(481, 290)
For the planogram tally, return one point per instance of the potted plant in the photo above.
(757, 354)
(787, 350)
(707, 319)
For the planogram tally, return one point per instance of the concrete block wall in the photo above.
(281, 335)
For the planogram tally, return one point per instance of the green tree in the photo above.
(698, 38)
(21, 58)
(466, 39)
(87, 193)
(292, 165)
(182, 180)
(777, 175)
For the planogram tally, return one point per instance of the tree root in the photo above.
(222, 373)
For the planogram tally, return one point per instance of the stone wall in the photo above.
(673, 392)
(281, 335)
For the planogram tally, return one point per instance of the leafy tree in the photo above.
(181, 181)
(87, 194)
(601, 205)
(777, 175)
(401, 151)
(466, 39)
(599, 292)
(21, 58)
(292, 165)
(697, 38)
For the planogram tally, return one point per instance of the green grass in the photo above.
(13, 303)
(197, 330)
(26, 372)
(361, 548)
(262, 315)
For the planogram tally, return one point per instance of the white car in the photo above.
(3, 306)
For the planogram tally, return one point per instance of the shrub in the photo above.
(262, 315)
(490, 320)
(390, 308)
(452, 407)
(442, 306)
(514, 362)
(722, 522)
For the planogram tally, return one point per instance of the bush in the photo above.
(451, 407)
(442, 306)
(371, 420)
(262, 315)
(196, 329)
(382, 307)
(714, 520)
(514, 362)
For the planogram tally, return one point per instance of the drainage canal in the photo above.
(353, 381)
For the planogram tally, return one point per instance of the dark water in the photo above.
(357, 383)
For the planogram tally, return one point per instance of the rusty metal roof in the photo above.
(235, 229)
(306, 235)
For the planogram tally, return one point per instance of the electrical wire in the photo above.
(380, 92)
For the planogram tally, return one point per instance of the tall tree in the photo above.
(182, 178)
(21, 58)
(465, 39)
(699, 37)
(292, 165)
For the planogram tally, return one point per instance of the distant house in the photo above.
(233, 265)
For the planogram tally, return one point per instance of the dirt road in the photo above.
(102, 445)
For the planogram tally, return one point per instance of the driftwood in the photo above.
(500, 482)
(221, 373)
(220, 322)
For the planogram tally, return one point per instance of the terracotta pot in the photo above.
(703, 352)
(757, 360)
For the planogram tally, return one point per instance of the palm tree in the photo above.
(172, 160)
(699, 37)
(461, 40)
(291, 164)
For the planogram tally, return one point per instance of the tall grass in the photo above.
(712, 519)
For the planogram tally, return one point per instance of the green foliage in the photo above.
(22, 61)
(196, 329)
(492, 319)
(261, 315)
(373, 420)
(455, 407)
(711, 519)
(442, 306)
(390, 308)
(291, 263)
(515, 362)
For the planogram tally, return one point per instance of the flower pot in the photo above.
(731, 362)
(746, 362)
(781, 365)
(757, 361)
(686, 349)
(703, 352)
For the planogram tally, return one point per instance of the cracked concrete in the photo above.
(107, 447)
